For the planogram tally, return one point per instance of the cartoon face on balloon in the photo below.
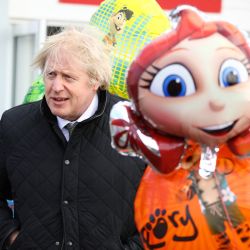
(119, 19)
(194, 81)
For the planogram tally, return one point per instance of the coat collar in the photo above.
(102, 102)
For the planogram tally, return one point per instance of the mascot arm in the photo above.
(130, 136)
(240, 144)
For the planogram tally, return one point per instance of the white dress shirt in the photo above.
(88, 113)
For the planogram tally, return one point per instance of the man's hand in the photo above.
(13, 236)
(11, 239)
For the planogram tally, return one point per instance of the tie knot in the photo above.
(70, 127)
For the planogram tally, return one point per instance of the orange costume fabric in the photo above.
(171, 209)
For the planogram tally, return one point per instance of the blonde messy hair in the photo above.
(83, 44)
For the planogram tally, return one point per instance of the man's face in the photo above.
(67, 88)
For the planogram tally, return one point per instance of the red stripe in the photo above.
(204, 5)
(94, 2)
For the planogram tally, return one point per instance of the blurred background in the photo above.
(24, 25)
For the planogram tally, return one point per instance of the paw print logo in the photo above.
(156, 227)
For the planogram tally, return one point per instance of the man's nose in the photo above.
(57, 84)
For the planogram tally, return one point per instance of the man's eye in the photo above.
(173, 81)
(68, 78)
(51, 74)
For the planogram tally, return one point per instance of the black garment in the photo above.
(77, 195)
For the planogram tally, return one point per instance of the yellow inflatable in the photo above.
(128, 25)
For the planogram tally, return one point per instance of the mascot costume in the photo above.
(189, 118)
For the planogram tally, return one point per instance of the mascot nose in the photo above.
(216, 105)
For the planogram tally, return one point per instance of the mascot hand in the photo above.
(130, 136)
(240, 144)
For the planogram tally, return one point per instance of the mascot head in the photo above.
(193, 81)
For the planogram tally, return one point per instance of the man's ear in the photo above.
(96, 86)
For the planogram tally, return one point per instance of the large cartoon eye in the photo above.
(232, 72)
(174, 80)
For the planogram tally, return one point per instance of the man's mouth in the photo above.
(219, 130)
(59, 99)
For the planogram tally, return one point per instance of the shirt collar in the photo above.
(88, 113)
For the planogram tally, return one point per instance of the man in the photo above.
(71, 190)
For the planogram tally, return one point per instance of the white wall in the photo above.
(236, 12)
(5, 58)
(50, 10)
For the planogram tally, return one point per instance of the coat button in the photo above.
(69, 243)
(65, 202)
(67, 162)
(57, 243)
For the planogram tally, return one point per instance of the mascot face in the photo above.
(198, 88)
